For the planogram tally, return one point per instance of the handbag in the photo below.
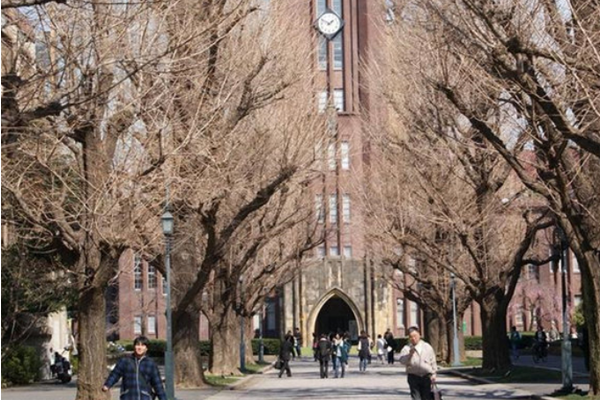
(278, 364)
(436, 393)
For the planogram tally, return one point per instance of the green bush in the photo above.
(21, 366)
(156, 348)
(473, 343)
(271, 346)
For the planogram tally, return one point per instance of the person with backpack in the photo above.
(139, 374)
(324, 354)
(364, 351)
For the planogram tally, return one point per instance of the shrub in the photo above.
(473, 343)
(22, 366)
(271, 346)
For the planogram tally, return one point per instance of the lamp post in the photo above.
(261, 348)
(242, 341)
(566, 352)
(456, 362)
(167, 226)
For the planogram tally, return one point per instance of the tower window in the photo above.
(338, 99)
(345, 149)
(338, 52)
(333, 208)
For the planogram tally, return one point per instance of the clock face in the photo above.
(329, 23)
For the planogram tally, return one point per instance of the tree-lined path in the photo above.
(380, 382)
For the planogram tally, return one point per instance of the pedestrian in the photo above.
(285, 353)
(335, 340)
(364, 351)
(419, 358)
(290, 334)
(140, 376)
(298, 341)
(515, 341)
(315, 346)
(340, 355)
(389, 338)
(381, 348)
(344, 351)
(324, 353)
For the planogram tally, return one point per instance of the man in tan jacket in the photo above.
(419, 358)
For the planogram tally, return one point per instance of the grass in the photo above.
(217, 380)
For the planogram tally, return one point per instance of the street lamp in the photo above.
(566, 352)
(456, 362)
(242, 341)
(167, 226)
(261, 347)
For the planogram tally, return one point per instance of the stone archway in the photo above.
(335, 311)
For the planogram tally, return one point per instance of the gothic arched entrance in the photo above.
(336, 312)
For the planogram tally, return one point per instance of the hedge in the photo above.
(21, 366)
(156, 348)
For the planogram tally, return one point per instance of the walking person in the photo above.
(419, 358)
(364, 351)
(344, 351)
(339, 366)
(324, 353)
(285, 353)
(288, 335)
(391, 344)
(140, 376)
(515, 341)
(334, 358)
(315, 346)
(298, 341)
(381, 348)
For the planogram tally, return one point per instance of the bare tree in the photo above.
(537, 61)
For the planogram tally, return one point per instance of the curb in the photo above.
(487, 381)
(242, 382)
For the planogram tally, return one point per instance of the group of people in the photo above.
(417, 356)
(141, 379)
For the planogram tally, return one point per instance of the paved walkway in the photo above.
(380, 382)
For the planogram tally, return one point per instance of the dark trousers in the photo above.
(420, 387)
(285, 366)
(390, 355)
(324, 368)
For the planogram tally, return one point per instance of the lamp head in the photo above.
(167, 223)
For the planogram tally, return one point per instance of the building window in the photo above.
(533, 272)
(331, 156)
(400, 313)
(346, 207)
(137, 325)
(414, 313)
(334, 251)
(322, 53)
(347, 251)
(152, 277)
(338, 100)
(338, 52)
(322, 101)
(333, 208)
(271, 316)
(138, 281)
(575, 264)
(319, 209)
(345, 150)
(151, 325)
(321, 251)
(577, 300)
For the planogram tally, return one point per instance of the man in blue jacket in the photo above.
(141, 379)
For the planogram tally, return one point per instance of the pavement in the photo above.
(379, 382)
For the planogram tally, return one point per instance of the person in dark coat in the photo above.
(139, 373)
(285, 354)
(324, 354)
(389, 338)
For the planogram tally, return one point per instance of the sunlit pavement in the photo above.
(379, 382)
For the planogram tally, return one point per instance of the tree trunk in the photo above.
(225, 344)
(496, 355)
(92, 344)
(435, 333)
(591, 298)
(248, 336)
(186, 347)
